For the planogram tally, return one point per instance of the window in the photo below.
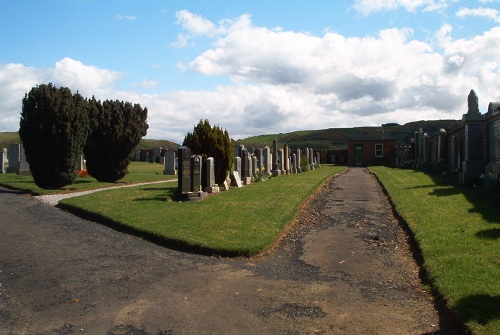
(379, 150)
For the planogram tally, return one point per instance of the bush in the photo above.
(212, 142)
(117, 128)
(53, 128)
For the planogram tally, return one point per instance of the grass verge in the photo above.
(458, 234)
(239, 222)
(138, 172)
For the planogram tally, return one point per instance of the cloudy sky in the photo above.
(256, 66)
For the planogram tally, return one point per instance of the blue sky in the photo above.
(256, 67)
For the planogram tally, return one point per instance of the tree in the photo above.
(53, 128)
(117, 128)
(212, 142)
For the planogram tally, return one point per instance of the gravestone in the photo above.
(147, 157)
(260, 162)
(170, 160)
(196, 166)
(422, 153)
(311, 159)
(473, 163)
(286, 154)
(276, 168)
(80, 164)
(255, 166)
(240, 150)
(298, 161)
(248, 178)
(441, 145)
(251, 150)
(267, 159)
(294, 163)
(156, 154)
(281, 161)
(14, 157)
(184, 178)
(3, 159)
(24, 167)
(210, 186)
(245, 169)
(137, 157)
(235, 179)
(237, 165)
(318, 159)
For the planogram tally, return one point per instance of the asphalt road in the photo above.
(344, 269)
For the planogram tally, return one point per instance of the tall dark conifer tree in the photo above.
(53, 129)
(116, 129)
(213, 142)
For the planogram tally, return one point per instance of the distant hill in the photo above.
(7, 138)
(336, 138)
(146, 144)
(332, 138)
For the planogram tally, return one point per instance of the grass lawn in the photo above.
(459, 235)
(241, 221)
(138, 172)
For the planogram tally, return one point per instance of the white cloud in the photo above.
(120, 17)
(196, 25)
(489, 13)
(367, 7)
(284, 81)
(17, 79)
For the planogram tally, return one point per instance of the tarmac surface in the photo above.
(345, 268)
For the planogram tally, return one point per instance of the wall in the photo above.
(369, 159)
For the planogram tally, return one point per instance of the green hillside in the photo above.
(335, 138)
(7, 138)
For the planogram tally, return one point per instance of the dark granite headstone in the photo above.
(196, 167)
(184, 177)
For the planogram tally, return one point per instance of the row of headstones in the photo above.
(249, 162)
(156, 157)
(194, 177)
(14, 160)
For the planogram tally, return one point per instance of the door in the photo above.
(358, 155)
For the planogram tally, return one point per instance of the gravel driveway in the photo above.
(344, 269)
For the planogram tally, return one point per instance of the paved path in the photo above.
(53, 199)
(344, 269)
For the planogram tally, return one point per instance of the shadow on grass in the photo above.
(489, 234)
(173, 244)
(477, 197)
(479, 308)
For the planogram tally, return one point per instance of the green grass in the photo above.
(459, 234)
(242, 221)
(138, 172)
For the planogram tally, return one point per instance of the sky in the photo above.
(252, 66)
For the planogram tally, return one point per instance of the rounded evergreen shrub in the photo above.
(213, 142)
(116, 129)
(53, 129)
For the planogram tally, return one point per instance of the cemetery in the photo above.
(266, 188)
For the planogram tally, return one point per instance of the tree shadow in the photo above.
(489, 234)
(167, 195)
(478, 197)
(480, 308)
